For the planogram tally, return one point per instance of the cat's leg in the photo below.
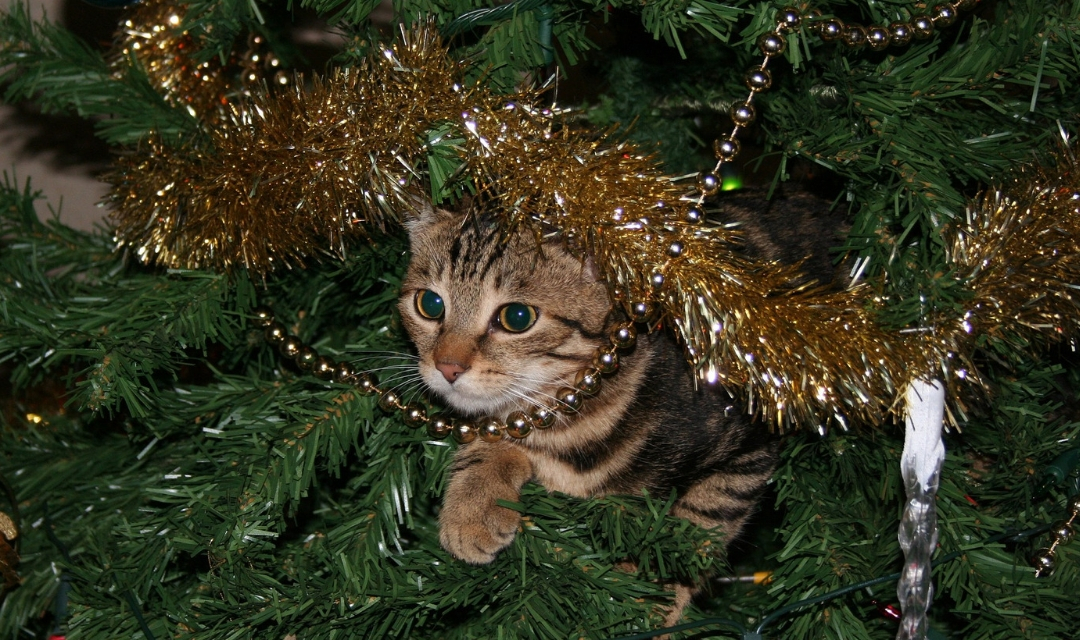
(727, 496)
(673, 614)
(472, 526)
(722, 500)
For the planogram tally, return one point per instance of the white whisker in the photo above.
(404, 355)
(393, 367)
(532, 402)
(400, 378)
(404, 380)
(411, 390)
(529, 395)
(541, 381)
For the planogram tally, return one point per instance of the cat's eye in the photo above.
(517, 317)
(429, 304)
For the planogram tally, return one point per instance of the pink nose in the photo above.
(450, 370)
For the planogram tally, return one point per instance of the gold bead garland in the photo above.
(9, 542)
(771, 44)
(1062, 532)
(9, 555)
(517, 424)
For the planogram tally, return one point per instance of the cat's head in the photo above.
(497, 324)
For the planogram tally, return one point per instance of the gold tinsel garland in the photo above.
(1018, 255)
(310, 170)
(295, 174)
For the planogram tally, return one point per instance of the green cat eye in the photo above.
(429, 304)
(517, 317)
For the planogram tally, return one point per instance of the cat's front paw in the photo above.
(472, 525)
(477, 533)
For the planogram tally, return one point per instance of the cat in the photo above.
(500, 326)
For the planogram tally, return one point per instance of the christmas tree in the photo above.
(179, 469)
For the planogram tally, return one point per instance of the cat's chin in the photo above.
(473, 402)
(477, 397)
(476, 407)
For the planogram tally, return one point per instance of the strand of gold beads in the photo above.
(516, 425)
(773, 43)
(1061, 532)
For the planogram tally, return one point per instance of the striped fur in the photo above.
(648, 429)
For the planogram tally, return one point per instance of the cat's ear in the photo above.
(421, 215)
(554, 241)
(592, 271)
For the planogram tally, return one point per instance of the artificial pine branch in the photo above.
(45, 63)
(70, 300)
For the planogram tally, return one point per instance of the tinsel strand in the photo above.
(293, 174)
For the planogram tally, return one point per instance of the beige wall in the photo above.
(60, 155)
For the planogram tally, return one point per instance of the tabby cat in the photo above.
(500, 327)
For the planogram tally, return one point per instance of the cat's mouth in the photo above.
(474, 403)
(477, 396)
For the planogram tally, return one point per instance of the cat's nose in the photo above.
(450, 370)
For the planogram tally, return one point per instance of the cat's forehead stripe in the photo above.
(422, 272)
(492, 257)
(474, 252)
(455, 249)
